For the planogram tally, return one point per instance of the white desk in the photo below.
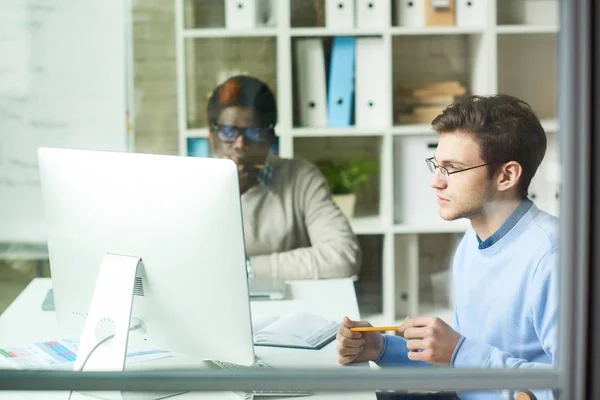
(25, 322)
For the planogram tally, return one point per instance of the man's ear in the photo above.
(508, 175)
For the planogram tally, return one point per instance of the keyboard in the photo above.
(261, 393)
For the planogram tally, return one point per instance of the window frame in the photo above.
(569, 377)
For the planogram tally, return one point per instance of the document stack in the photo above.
(421, 104)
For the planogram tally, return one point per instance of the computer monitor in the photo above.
(182, 217)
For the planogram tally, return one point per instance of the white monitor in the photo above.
(182, 217)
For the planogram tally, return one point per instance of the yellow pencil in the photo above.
(374, 328)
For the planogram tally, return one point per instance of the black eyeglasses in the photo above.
(445, 173)
(254, 134)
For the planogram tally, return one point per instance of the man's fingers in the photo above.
(349, 351)
(351, 324)
(420, 355)
(345, 332)
(415, 322)
(347, 342)
(346, 360)
(416, 333)
(415, 344)
(347, 323)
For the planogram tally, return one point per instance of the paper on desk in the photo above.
(261, 321)
(61, 354)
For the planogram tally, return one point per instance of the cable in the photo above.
(100, 343)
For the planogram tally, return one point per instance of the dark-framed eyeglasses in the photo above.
(254, 134)
(432, 165)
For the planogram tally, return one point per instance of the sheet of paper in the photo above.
(302, 325)
(261, 321)
(61, 354)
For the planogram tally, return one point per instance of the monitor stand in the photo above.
(110, 314)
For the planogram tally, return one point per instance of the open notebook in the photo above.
(296, 329)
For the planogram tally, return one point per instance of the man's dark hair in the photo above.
(506, 129)
(247, 92)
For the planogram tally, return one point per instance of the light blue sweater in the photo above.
(506, 293)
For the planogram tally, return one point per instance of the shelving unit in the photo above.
(507, 50)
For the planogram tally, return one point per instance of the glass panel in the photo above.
(275, 232)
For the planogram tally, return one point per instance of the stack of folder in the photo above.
(353, 90)
(422, 103)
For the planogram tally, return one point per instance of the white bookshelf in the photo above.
(508, 50)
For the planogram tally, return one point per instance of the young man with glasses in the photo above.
(504, 269)
(292, 227)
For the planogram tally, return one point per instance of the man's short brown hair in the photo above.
(506, 129)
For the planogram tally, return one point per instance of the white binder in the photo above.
(266, 13)
(410, 13)
(311, 84)
(370, 107)
(545, 186)
(240, 14)
(415, 201)
(471, 12)
(339, 14)
(541, 12)
(371, 14)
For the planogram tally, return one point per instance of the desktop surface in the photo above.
(25, 322)
(267, 289)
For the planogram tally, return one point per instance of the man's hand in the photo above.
(429, 339)
(357, 346)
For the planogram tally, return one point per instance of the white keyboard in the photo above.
(261, 393)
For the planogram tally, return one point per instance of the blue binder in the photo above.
(340, 92)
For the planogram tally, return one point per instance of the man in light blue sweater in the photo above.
(505, 267)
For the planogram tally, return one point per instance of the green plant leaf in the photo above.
(347, 176)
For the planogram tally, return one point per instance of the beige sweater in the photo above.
(294, 230)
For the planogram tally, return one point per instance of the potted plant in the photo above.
(346, 177)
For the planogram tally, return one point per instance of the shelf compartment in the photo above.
(369, 285)
(422, 275)
(527, 70)
(305, 14)
(368, 199)
(206, 14)
(527, 12)
(420, 60)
